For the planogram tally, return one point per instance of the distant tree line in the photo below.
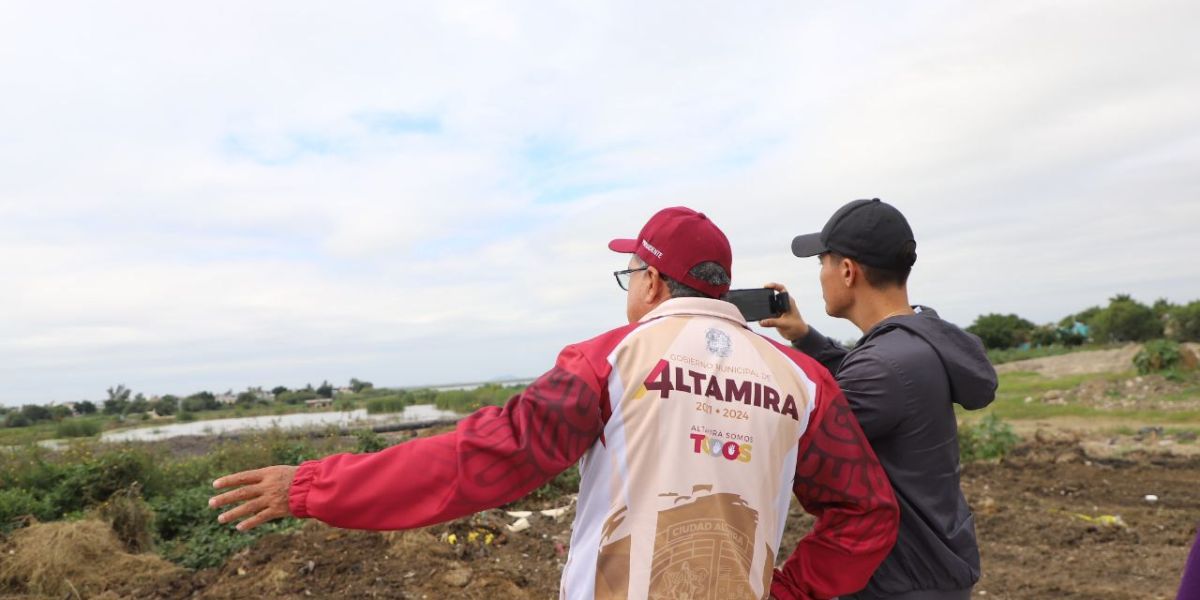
(1123, 320)
(121, 403)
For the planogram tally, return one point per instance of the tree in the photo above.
(118, 400)
(139, 404)
(1162, 308)
(1086, 316)
(1001, 331)
(59, 412)
(326, 390)
(165, 406)
(246, 399)
(296, 397)
(1126, 320)
(357, 385)
(1184, 322)
(200, 401)
(85, 407)
(35, 413)
(277, 390)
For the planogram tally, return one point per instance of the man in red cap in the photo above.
(692, 434)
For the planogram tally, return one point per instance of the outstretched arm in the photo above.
(494, 456)
(838, 480)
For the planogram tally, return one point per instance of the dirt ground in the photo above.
(1072, 514)
(1046, 519)
(1078, 363)
(1116, 360)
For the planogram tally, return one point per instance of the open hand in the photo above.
(263, 494)
(790, 324)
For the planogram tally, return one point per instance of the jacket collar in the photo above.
(696, 307)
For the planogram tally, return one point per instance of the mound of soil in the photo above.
(1117, 360)
(485, 561)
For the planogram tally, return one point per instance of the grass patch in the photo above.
(79, 427)
(1016, 387)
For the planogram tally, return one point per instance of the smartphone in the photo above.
(759, 303)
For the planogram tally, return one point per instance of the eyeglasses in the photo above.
(623, 277)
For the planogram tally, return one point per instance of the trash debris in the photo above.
(520, 525)
(1103, 520)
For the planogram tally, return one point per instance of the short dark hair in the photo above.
(709, 272)
(878, 277)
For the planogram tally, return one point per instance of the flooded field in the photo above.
(354, 418)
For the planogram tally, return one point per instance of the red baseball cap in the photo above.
(677, 239)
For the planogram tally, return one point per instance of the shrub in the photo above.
(191, 535)
(369, 441)
(387, 404)
(16, 505)
(70, 428)
(1158, 355)
(296, 397)
(988, 439)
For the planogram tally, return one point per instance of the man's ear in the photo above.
(657, 290)
(849, 272)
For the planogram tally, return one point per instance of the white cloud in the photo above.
(227, 195)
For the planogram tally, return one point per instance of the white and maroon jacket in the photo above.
(691, 432)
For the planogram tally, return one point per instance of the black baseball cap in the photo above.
(871, 232)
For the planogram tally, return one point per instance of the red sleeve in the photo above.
(840, 482)
(494, 456)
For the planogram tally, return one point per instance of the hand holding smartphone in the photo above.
(757, 304)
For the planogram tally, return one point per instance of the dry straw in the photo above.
(75, 559)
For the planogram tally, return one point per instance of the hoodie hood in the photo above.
(972, 377)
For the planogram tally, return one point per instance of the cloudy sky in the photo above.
(223, 194)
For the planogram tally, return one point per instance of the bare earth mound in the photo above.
(1117, 360)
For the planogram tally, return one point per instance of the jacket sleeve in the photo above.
(840, 482)
(876, 392)
(824, 350)
(494, 456)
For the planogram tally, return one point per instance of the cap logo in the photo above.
(652, 249)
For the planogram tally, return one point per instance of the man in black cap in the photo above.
(901, 379)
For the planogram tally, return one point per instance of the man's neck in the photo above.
(876, 305)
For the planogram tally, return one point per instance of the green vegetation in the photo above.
(462, 401)
(1126, 320)
(1015, 388)
(989, 439)
(79, 427)
(115, 481)
(1158, 356)
(1001, 331)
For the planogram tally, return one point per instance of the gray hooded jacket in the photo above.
(901, 380)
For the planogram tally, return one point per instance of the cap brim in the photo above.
(808, 245)
(623, 246)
